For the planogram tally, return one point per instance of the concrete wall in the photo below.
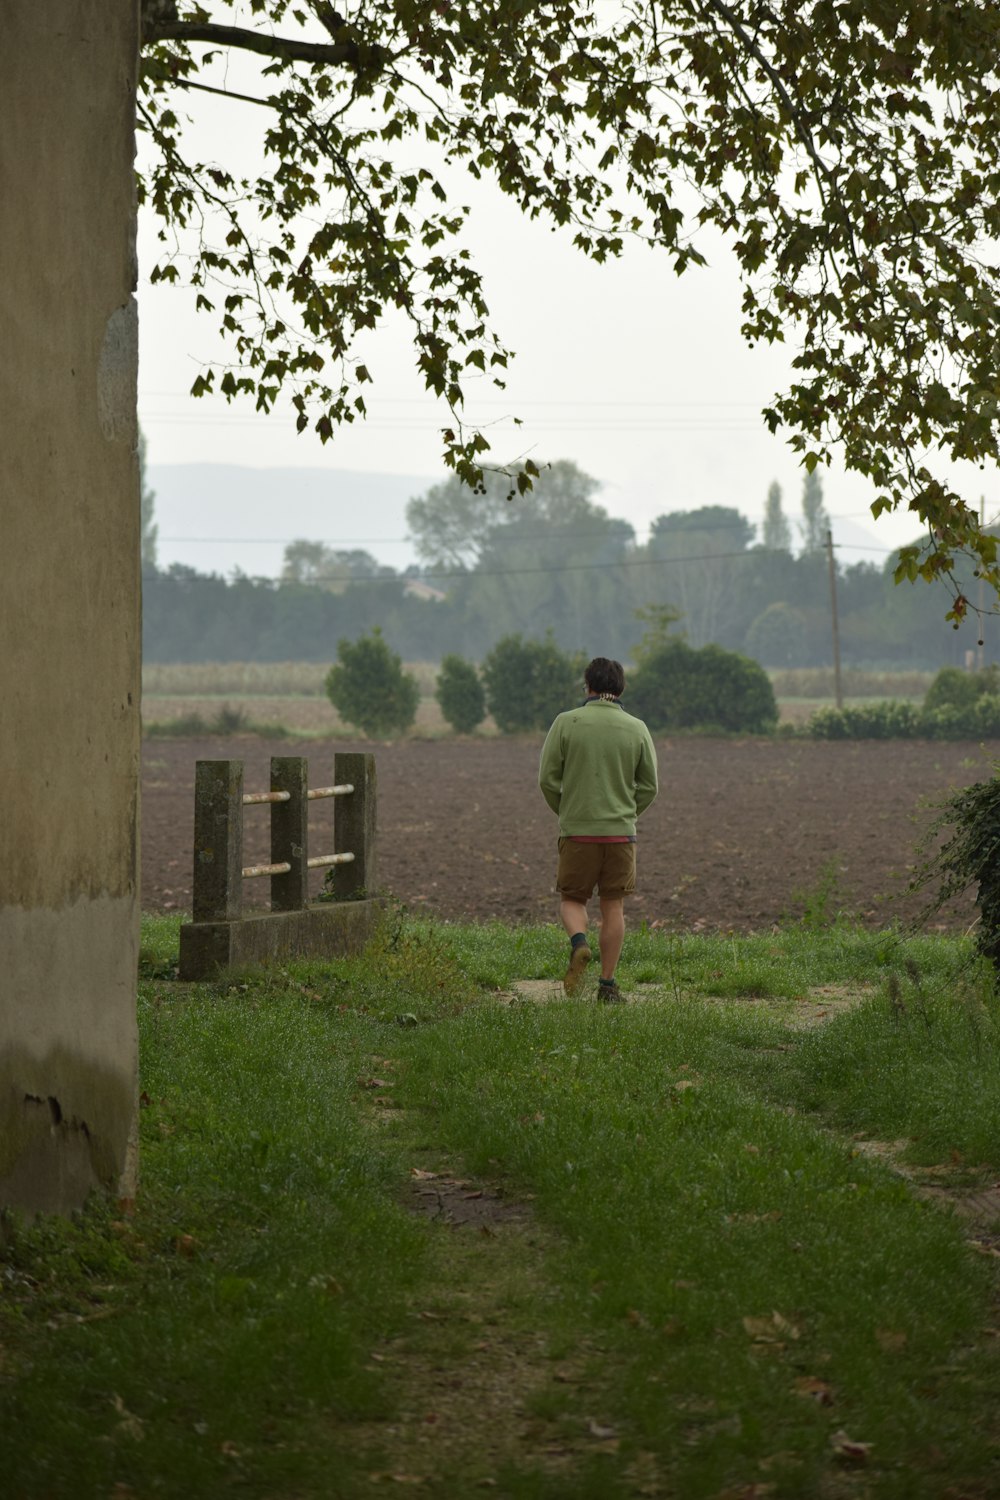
(69, 602)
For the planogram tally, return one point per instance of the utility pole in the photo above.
(832, 568)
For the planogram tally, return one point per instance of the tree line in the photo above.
(554, 561)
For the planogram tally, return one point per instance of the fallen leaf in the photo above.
(230, 1449)
(818, 1390)
(672, 1327)
(784, 1326)
(981, 1248)
(890, 1340)
(477, 1194)
(373, 1083)
(849, 1449)
(761, 1329)
(186, 1245)
(421, 1176)
(130, 1425)
(598, 1430)
(685, 1286)
(636, 1318)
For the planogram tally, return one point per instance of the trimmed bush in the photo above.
(978, 718)
(891, 719)
(953, 688)
(460, 694)
(680, 687)
(369, 688)
(529, 682)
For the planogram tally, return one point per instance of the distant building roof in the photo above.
(417, 589)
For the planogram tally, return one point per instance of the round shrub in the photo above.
(460, 693)
(951, 688)
(369, 688)
(529, 682)
(987, 715)
(777, 635)
(679, 687)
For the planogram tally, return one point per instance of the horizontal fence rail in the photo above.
(255, 799)
(219, 802)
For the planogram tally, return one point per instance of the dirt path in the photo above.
(478, 1391)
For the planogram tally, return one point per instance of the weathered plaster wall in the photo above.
(69, 601)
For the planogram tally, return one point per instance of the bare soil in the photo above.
(743, 835)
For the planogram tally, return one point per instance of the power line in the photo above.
(505, 532)
(473, 574)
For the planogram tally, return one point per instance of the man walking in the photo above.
(598, 773)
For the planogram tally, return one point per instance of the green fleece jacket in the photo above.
(598, 769)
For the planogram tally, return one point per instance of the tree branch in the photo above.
(347, 54)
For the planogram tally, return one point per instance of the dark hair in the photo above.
(604, 676)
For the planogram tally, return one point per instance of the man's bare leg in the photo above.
(612, 934)
(574, 919)
(573, 915)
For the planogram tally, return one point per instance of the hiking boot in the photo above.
(610, 994)
(579, 958)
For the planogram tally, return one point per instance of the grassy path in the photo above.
(400, 1228)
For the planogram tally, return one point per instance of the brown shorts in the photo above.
(611, 867)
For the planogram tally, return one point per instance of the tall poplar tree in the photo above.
(776, 534)
(815, 522)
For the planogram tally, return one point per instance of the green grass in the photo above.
(686, 1205)
(711, 1287)
(239, 1298)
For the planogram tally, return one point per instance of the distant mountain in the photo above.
(222, 517)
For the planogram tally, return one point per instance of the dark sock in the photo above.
(608, 982)
(576, 940)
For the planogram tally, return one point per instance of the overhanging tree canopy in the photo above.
(849, 150)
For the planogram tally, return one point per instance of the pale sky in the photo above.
(637, 375)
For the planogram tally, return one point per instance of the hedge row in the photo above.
(895, 720)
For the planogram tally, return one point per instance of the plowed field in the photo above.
(744, 832)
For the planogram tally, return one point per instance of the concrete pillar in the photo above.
(354, 821)
(290, 832)
(218, 841)
(69, 602)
